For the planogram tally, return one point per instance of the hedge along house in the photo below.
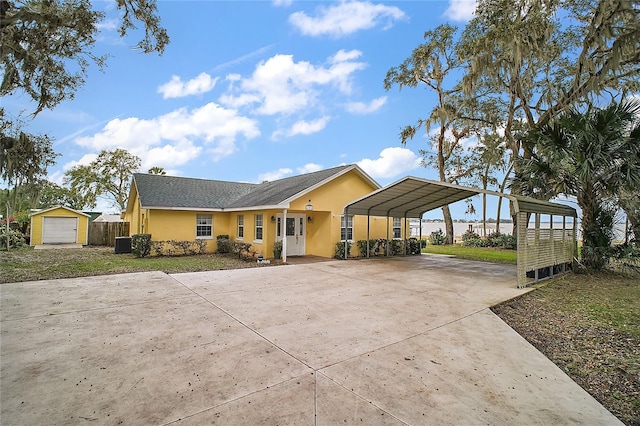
(542, 252)
(304, 212)
(59, 225)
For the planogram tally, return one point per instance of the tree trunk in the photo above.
(502, 188)
(448, 224)
(485, 180)
(631, 208)
(597, 225)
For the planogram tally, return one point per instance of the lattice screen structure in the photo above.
(544, 252)
(541, 252)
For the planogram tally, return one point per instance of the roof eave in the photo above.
(199, 209)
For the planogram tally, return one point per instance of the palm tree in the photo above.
(590, 155)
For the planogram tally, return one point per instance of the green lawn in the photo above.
(27, 264)
(589, 325)
(474, 253)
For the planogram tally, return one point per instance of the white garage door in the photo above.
(59, 230)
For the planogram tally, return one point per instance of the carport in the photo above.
(541, 252)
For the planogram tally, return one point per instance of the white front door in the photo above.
(294, 231)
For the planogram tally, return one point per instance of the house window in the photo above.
(240, 226)
(204, 226)
(346, 228)
(397, 227)
(258, 227)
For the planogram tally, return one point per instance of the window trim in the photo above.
(240, 230)
(258, 218)
(346, 227)
(209, 218)
(395, 227)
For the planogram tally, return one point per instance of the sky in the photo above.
(255, 90)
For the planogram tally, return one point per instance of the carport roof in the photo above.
(412, 196)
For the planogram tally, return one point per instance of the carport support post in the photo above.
(346, 231)
(521, 231)
(404, 237)
(368, 234)
(388, 242)
(284, 235)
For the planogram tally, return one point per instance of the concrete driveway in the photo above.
(383, 341)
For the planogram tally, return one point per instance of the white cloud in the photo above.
(366, 108)
(392, 162)
(282, 3)
(274, 175)
(84, 161)
(302, 127)
(176, 88)
(281, 86)
(170, 155)
(346, 18)
(461, 10)
(343, 56)
(108, 24)
(309, 168)
(175, 138)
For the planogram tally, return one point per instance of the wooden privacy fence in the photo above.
(105, 233)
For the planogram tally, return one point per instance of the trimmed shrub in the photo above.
(475, 242)
(339, 254)
(396, 247)
(470, 235)
(277, 250)
(377, 247)
(362, 247)
(224, 244)
(141, 245)
(437, 238)
(243, 250)
(505, 241)
(414, 246)
(178, 248)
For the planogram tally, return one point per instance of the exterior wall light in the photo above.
(309, 206)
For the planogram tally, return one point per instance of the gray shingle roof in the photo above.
(171, 191)
(180, 192)
(273, 193)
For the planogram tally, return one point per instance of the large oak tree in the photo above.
(47, 45)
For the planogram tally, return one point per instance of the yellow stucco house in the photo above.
(305, 212)
(59, 225)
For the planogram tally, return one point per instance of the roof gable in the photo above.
(59, 207)
(284, 190)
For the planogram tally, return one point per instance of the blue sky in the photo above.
(255, 90)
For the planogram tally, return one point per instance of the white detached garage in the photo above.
(59, 225)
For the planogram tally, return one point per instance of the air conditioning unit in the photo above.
(123, 245)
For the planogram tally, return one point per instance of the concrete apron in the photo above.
(380, 341)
